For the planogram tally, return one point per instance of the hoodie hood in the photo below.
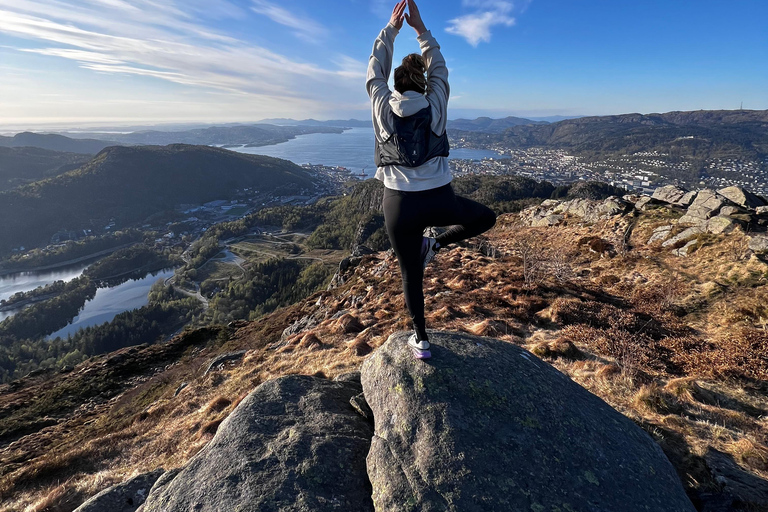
(408, 103)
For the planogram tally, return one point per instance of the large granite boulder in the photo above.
(294, 444)
(741, 197)
(125, 497)
(484, 425)
(706, 205)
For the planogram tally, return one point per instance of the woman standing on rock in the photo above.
(411, 159)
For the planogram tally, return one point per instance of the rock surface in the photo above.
(294, 444)
(683, 236)
(484, 425)
(741, 197)
(706, 205)
(660, 233)
(125, 497)
(758, 243)
(720, 224)
(668, 194)
(551, 211)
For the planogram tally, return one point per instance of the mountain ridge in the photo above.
(115, 183)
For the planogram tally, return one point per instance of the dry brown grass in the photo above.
(653, 399)
(673, 343)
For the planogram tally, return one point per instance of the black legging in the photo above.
(407, 214)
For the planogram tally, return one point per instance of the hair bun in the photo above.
(411, 75)
(414, 63)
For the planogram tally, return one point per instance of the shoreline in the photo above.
(53, 266)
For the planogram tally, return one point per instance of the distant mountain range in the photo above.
(54, 142)
(488, 125)
(132, 183)
(248, 135)
(702, 134)
(349, 123)
(481, 124)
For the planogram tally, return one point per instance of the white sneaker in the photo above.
(420, 348)
(428, 250)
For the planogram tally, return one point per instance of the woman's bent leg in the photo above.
(402, 220)
(469, 218)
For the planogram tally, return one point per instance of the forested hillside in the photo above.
(132, 183)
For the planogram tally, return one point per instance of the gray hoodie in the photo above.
(435, 172)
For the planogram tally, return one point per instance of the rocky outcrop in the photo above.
(552, 211)
(125, 497)
(741, 197)
(294, 444)
(706, 205)
(484, 425)
(223, 358)
(683, 236)
(669, 194)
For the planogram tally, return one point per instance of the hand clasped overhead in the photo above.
(413, 17)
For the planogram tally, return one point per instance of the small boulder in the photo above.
(660, 234)
(668, 194)
(741, 197)
(687, 199)
(295, 443)
(223, 358)
(485, 425)
(731, 210)
(125, 497)
(684, 250)
(641, 203)
(758, 243)
(302, 324)
(720, 224)
(684, 235)
(548, 220)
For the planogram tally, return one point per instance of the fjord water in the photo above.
(111, 301)
(352, 149)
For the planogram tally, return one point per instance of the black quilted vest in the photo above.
(413, 142)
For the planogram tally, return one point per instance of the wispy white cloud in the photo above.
(168, 41)
(303, 27)
(476, 27)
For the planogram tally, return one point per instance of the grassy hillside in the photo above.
(132, 183)
(676, 344)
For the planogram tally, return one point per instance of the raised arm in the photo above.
(437, 72)
(380, 62)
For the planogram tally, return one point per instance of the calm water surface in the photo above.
(109, 302)
(26, 281)
(352, 149)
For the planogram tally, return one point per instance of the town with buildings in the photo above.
(640, 172)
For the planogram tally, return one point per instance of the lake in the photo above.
(352, 149)
(26, 281)
(109, 302)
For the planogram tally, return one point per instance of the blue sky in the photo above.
(112, 62)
